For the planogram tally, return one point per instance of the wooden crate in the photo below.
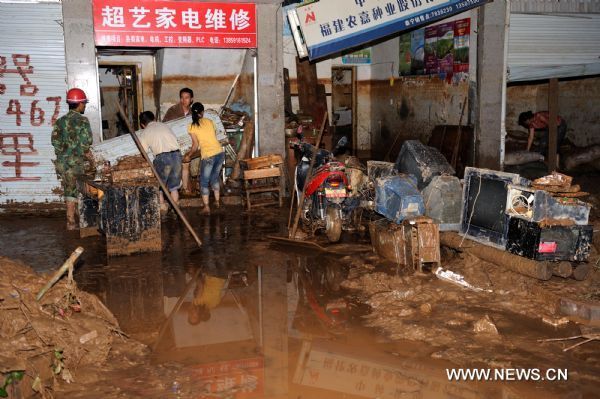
(265, 161)
(261, 173)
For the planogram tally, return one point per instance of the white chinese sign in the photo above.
(331, 26)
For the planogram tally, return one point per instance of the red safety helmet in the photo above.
(76, 96)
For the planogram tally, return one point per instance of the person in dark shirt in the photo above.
(183, 108)
(539, 122)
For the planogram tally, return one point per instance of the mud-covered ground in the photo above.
(364, 311)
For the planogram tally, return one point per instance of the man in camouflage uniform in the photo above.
(72, 138)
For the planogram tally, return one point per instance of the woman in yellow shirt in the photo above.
(204, 136)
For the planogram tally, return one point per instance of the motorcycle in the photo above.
(329, 202)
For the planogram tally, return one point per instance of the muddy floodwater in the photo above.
(243, 317)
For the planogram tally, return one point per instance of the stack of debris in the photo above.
(559, 185)
(410, 233)
(233, 119)
(66, 329)
(542, 221)
(533, 220)
(132, 168)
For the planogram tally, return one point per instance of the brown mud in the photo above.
(356, 314)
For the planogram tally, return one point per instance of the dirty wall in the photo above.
(578, 101)
(395, 109)
(409, 107)
(363, 73)
(208, 72)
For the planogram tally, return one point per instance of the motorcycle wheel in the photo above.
(333, 224)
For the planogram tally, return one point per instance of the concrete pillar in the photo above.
(491, 84)
(271, 117)
(80, 55)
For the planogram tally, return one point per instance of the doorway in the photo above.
(120, 84)
(343, 105)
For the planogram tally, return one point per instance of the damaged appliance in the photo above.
(398, 198)
(422, 237)
(414, 243)
(539, 206)
(483, 216)
(443, 202)
(424, 162)
(536, 241)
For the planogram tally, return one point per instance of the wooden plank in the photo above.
(263, 189)
(261, 173)
(552, 127)
(306, 73)
(265, 161)
(287, 94)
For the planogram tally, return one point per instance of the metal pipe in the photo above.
(255, 151)
(260, 307)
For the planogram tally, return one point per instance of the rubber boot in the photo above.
(71, 215)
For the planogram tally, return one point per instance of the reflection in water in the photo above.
(245, 319)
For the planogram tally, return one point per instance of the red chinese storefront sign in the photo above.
(131, 23)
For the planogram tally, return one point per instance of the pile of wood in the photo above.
(232, 119)
(559, 185)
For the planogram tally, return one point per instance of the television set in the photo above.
(483, 216)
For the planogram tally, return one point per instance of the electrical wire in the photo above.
(472, 212)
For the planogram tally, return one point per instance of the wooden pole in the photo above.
(67, 265)
(160, 182)
(292, 233)
(183, 296)
(229, 94)
(515, 263)
(552, 127)
(458, 136)
(292, 198)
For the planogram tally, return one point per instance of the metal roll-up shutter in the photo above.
(32, 97)
(553, 46)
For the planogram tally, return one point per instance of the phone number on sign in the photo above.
(237, 40)
(440, 12)
(467, 3)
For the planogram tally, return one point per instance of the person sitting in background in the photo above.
(160, 139)
(181, 109)
(204, 136)
(539, 122)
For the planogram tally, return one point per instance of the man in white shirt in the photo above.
(160, 139)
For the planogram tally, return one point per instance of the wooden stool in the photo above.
(258, 181)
